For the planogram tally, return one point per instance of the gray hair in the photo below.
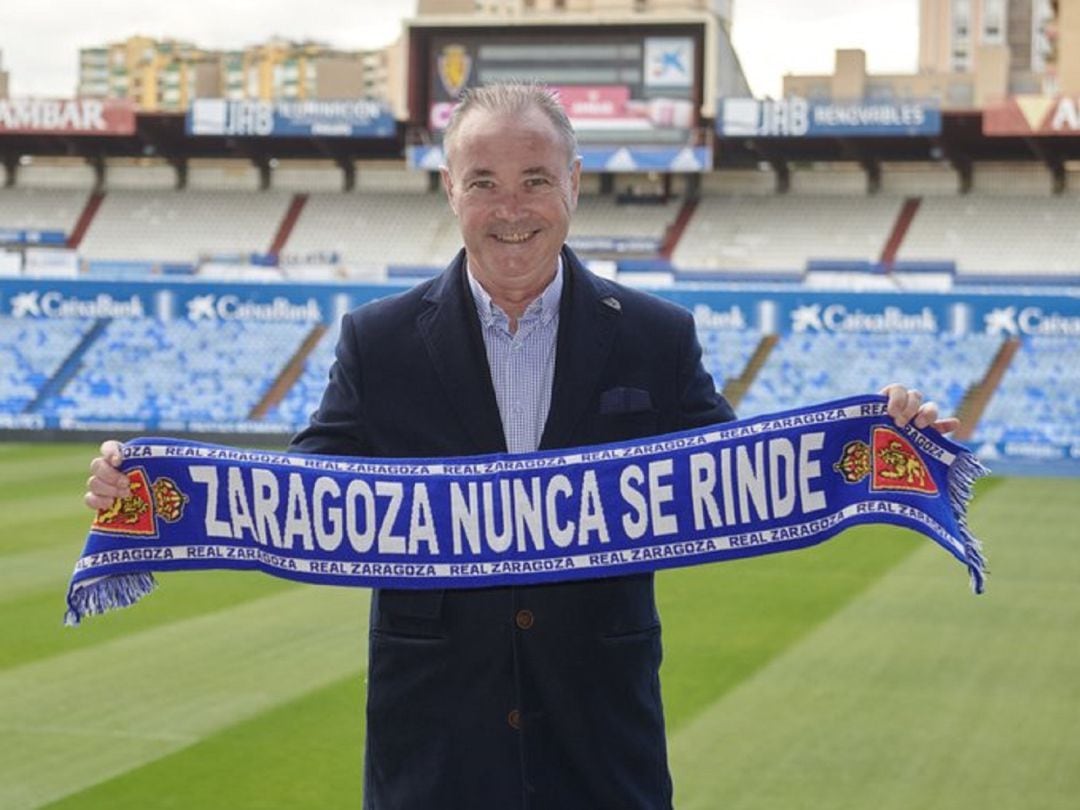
(512, 98)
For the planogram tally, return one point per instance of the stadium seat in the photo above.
(784, 232)
(177, 372)
(996, 235)
(183, 226)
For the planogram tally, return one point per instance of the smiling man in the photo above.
(544, 697)
(512, 178)
(536, 697)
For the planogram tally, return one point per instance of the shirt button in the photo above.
(524, 619)
(513, 719)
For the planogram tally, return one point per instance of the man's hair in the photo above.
(511, 98)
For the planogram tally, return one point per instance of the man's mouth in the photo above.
(515, 238)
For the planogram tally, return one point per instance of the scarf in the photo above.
(762, 485)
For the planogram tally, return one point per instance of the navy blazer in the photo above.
(541, 697)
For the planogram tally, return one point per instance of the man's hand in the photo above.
(106, 483)
(906, 405)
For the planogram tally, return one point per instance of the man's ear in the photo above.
(448, 187)
(575, 182)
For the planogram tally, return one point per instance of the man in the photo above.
(544, 697)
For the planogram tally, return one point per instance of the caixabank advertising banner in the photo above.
(1042, 327)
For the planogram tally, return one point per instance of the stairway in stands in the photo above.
(69, 368)
(975, 400)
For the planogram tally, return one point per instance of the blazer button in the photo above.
(513, 719)
(524, 619)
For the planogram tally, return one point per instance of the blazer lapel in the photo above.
(451, 331)
(587, 321)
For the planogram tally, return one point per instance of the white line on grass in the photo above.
(69, 730)
(30, 571)
(132, 700)
(916, 694)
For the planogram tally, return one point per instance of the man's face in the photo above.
(512, 186)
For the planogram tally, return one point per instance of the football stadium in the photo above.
(184, 273)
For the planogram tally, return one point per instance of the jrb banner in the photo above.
(326, 118)
(768, 484)
(800, 118)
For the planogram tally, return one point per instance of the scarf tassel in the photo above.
(963, 473)
(106, 593)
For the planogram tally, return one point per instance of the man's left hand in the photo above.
(906, 405)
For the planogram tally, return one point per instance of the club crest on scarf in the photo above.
(891, 462)
(137, 513)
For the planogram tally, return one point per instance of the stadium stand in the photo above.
(305, 176)
(816, 367)
(997, 235)
(1010, 180)
(604, 216)
(182, 226)
(53, 209)
(178, 373)
(296, 407)
(739, 182)
(1039, 398)
(784, 232)
(830, 179)
(725, 353)
(366, 228)
(55, 173)
(31, 352)
(155, 372)
(215, 174)
(918, 179)
(140, 173)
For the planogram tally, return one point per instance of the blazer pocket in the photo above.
(648, 634)
(623, 400)
(416, 614)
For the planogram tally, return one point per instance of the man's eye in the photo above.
(534, 182)
(481, 184)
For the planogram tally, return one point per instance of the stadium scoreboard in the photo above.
(620, 83)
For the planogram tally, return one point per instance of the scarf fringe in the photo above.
(116, 591)
(963, 473)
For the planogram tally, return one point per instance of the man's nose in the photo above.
(510, 204)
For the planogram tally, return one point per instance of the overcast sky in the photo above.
(40, 39)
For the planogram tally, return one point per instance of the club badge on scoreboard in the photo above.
(455, 66)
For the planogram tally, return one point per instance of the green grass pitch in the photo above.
(859, 674)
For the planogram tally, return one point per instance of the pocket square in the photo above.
(625, 400)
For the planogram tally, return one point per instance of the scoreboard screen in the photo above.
(619, 84)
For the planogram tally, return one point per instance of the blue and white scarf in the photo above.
(739, 489)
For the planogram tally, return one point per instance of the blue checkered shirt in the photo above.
(523, 363)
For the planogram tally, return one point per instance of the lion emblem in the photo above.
(127, 510)
(137, 513)
(899, 464)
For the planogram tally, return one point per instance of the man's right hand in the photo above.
(106, 483)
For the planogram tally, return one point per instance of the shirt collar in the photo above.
(547, 301)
